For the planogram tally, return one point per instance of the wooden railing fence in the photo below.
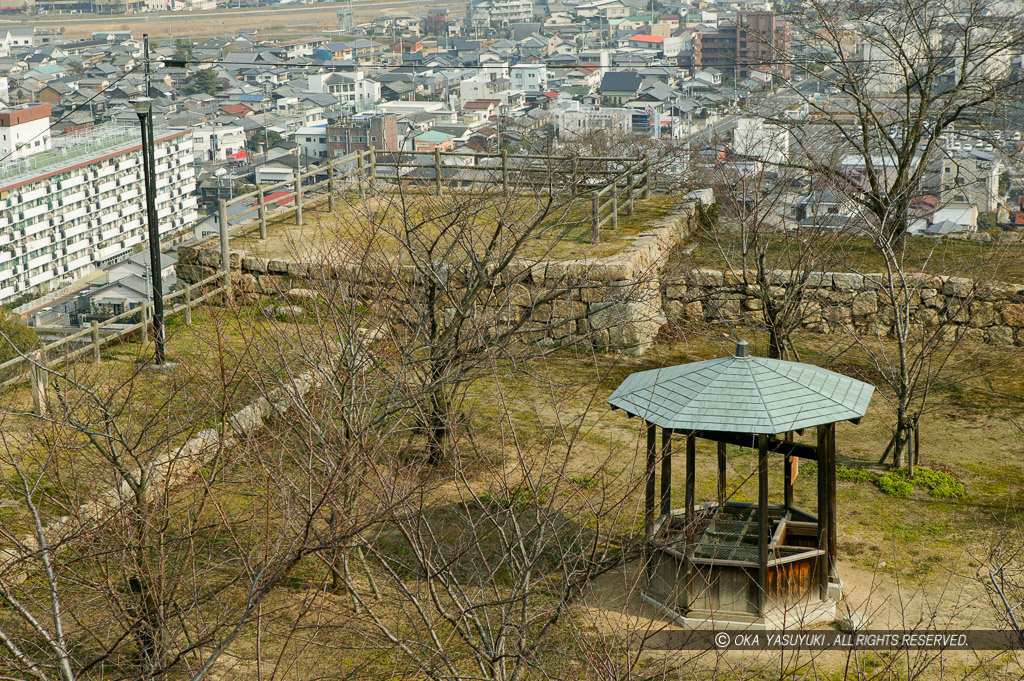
(612, 183)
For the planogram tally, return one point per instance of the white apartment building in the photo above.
(214, 142)
(81, 206)
(352, 89)
(529, 77)
(575, 120)
(24, 131)
(499, 13)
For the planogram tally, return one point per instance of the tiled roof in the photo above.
(742, 394)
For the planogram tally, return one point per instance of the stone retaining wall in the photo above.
(614, 302)
(991, 312)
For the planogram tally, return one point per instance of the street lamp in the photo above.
(143, 107)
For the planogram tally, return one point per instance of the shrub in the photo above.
(518, 497)
(852, 474)
(940, 484)
(583, 482)
(15, 337)
(894, 484)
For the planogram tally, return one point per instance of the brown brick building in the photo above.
(754, 41)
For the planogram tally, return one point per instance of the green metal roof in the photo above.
(742, 394)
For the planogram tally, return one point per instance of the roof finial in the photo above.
(742, 349)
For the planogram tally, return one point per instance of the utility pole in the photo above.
(144, 109)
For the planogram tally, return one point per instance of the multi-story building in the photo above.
(81, 206)
(352, 89)
(754, 41)
(498, 13)
(362, 131)
(24, 131)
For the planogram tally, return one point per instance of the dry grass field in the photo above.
(294, 22)
(905, 562)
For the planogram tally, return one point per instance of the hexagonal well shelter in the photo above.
(728, 561)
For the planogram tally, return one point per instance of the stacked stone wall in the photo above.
(989, 312)
(614, 302)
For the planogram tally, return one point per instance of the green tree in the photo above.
(15, 337)
(183, 50)
(205, 81)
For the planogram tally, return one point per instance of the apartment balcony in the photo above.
(44, 259)
(75, 214)
(33, 194)
(38, 227)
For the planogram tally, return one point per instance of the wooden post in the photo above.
(225, 252)
(666, 473)
(823, 567)
(330, 186)
(188, 305)
(647, 179)
(762, 523)
(262, 201)
(917, 439)
(504, 170)
(691, 518)
(721, 474)
(595, 234)
(615, 205)
(652, 454)
(298, 198)
(95, 341)
(833, 526)
(359, 175)
(38, 373)
(437, 170)
(787, 467)
(144, 330)
(629, 194)
(372, 175)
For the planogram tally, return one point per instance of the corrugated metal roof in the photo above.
(742, 394)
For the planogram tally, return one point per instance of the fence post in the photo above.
(144, 331)
(372, 176)
(629, 196)
(298, 198)
(647, 179)
(504, 170)
(95, 341)
(38, 372)
(615, 204)
(330, 186)
(359, 175)
(225, 253)
(595, 234)
(262, 201)
(437, 170)
(188, 305)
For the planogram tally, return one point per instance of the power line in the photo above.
(73, 111)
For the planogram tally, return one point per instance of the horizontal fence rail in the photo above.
(612, 184)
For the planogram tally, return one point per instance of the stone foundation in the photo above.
(612, 303)
(986, 312)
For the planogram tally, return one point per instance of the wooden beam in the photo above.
(721, 474)
(777, 446)
(787, 467)
(823, 507)
(652, 454)
(833, 516)
(762, 523)
(666, 473)
(691, 478)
